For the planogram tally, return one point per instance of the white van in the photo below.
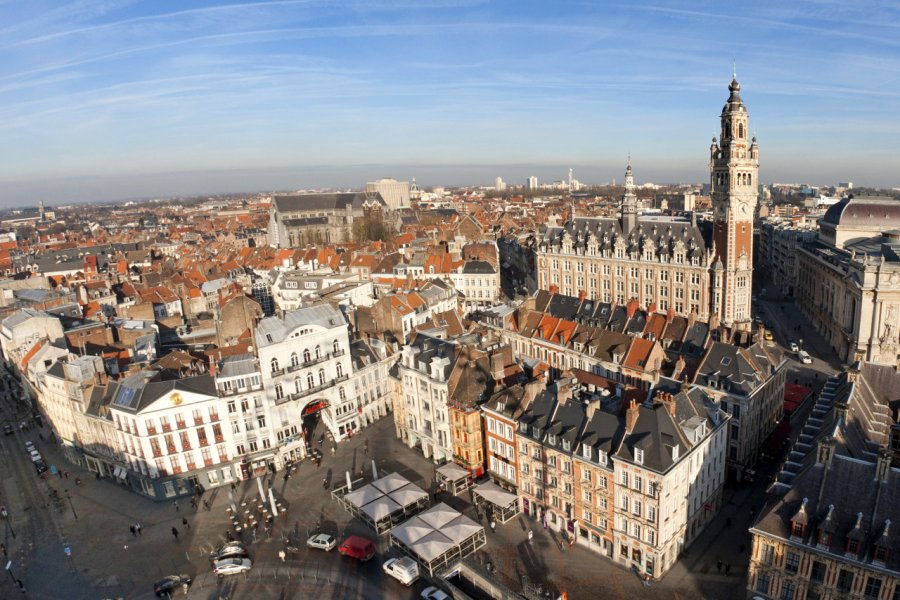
(804, 357)
(405, 570)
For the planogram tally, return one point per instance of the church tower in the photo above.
(629, 201)
(733, 177)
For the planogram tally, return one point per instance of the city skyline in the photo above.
(117, 100)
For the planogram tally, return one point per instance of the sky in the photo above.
(112, 99)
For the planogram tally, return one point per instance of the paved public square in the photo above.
(108, 561)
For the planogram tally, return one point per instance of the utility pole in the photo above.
(69, 498)
(5, 514)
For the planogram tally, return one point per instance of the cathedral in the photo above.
(669, 263)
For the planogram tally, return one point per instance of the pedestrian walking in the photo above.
(184, 522)
(67, 474)
(184, 588)
(176, 506)
(530, 535)
(60, 474)
(493, 526)
(175, 532)
(281, 555)
(287, 475)
(325, 482)
(139, 528)
(193, 502)
(367, 447)
(719, 566)
(133, 531)
(727, 568)
(3, 549)
(205, 505)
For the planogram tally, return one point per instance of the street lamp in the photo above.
(69, 498)
(800, 343)
(5, 514)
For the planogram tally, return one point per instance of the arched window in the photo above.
(306, 355)
(279, 393)
(342, 394)
(274, 365)
(295, 360)
(318, 353)
(336, 346)
(741, 131)
(322, 376)
(310, 381)
(340, 370)
(749, 179)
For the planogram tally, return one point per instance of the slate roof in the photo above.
(273, 330)
(320, 202)
(136, 392)
(661, 235)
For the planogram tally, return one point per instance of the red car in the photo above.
(357, 547)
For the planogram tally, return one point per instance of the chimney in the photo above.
(554, 289)
(670, 314)
(679, 368)
(497, 366)
(631, 307)
(582, 295)
(651, 308)
(592, 407)
(212, 368)
(631, 415)
(883, 465)
(713, 321)
(669, 403)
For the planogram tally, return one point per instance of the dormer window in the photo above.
(881, 554)
(566, 445)
(586, 451)
(551, 439)
(797, 530)
(824, 538)
(601, 457)
(852, 546)
(639, 456)
(675, 452)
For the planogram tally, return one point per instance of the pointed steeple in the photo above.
(629, 200)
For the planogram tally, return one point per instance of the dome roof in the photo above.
(880, 211)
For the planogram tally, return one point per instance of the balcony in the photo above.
(166, 427)
(151, 430)
(219, 439)
(203, 442)
(213, 417)
(208, 462)
(157, 453)
(180, 424)
(312, 390)
(171, 449)
(242, 390)
(198, 420)
(185, 446)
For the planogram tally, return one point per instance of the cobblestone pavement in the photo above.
(107, 561)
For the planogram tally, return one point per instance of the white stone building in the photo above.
(305, 364)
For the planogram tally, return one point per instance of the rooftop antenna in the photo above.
(733, 69)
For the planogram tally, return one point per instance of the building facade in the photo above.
(669, 262)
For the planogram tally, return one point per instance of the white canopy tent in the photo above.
(384, 502)
(454, 478)
(503, 505)
(438, 537)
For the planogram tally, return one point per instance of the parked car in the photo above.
(433, 593)
(170, 584)
(9, 429)
(794, 347)
(229, 550)
(29, 445)
(804, 357)
(39, 466)
(231, 566)
(322, 541)
(405, 570)
(357, 547)
(35, 455)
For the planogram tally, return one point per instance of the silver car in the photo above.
(231, 566)
(323, 541)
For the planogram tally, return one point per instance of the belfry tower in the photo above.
(733, 178)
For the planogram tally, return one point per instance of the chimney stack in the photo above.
(631, 416)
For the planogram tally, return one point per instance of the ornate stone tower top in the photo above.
(733, 172)
(629, 201)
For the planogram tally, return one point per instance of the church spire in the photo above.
(629, 200)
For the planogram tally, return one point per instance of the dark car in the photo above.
(39, 466)
(229, 550)
(170, 583)
(9, 429)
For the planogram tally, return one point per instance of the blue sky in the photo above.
(111, 99)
